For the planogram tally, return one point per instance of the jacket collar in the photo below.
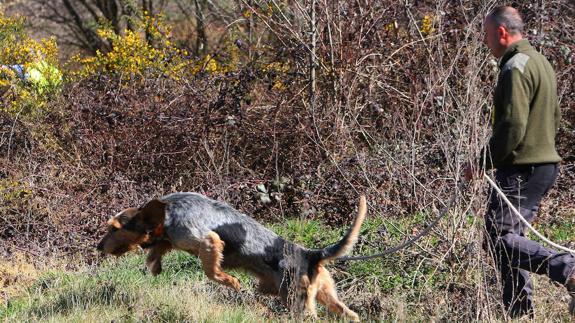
(518, 46)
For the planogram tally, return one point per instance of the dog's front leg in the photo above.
(154, 260)
(211, 255)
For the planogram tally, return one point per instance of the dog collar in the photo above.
(158, 231)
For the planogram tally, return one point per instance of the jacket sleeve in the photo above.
(512, 111)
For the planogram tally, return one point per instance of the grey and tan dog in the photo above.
(223, 237)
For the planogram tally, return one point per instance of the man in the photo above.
(522, 150)
(16, 70)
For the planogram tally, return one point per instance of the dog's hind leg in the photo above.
(154, 260)
(327, 296)
(310, 304)
(211, 255)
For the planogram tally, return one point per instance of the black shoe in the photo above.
(521, 309)
(570, 285)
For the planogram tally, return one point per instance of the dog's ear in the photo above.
(113, 222)
(304, 282)
(152, 214)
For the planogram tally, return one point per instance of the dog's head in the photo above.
(133, 227)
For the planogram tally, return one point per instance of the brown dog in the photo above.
(222, 237)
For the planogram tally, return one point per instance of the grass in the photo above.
(417, 284)
(562, 232)
(120, 290)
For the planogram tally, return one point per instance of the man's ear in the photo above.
(501, 31)
(153, 214)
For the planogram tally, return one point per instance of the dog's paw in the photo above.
(310, 314)
(235, 284)
(353, 316)
(155, 267)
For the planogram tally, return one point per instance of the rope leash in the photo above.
(411, 241)
(516, 212)
(443, 212)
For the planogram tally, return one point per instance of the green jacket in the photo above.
(526, 111)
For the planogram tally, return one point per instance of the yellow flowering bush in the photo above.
(207, 64)
(228, 60)
(148, 51)
(11, 190)
(132, 55)
(145, 52)
(278, 71)
(427, 25)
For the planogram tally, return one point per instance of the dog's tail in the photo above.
(348, 241)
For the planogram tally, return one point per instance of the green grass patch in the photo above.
(397, 271)
(560, 232)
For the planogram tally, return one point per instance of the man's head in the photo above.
(503, 26)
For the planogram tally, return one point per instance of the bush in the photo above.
(145, 52)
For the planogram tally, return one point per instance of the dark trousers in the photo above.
(514, 254)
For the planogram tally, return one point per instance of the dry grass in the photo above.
(16, 275)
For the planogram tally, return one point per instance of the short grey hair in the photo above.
(507, 17)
